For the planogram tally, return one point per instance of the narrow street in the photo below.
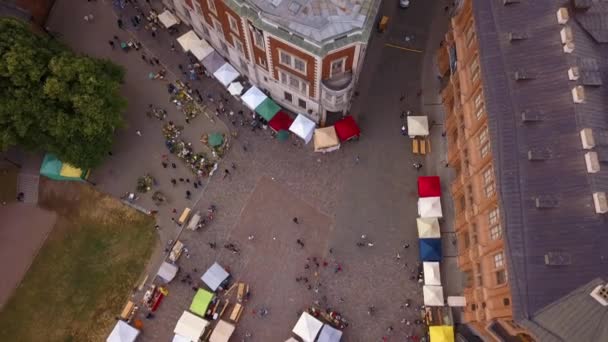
(367, 188)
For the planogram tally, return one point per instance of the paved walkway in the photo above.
(375, 196)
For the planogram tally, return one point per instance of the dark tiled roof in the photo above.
(572, 228)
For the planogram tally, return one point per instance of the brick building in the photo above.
(527, 135)
(306, 54)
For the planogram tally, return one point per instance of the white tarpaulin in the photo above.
(180, 338)
(235, 88)
(167, 271)
(222, 332)
(291, 339)
(429, 207)
(214, 276)
(122, 332)
(303, 127)
(428, 228)
(417, 126)
(329, 334)
(226, 74)
(307, 327)
(190, 326)
(457, 301)
(167, 19)
(198, 47)
(433, 295)
(253, 97)
(432, 275)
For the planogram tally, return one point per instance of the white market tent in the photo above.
(214, 276)
(429, 207)
(222, 332)
(167, 19)
(433, 295)
(291, 339)
(189, 41)
(428, 228)
(201, 50)
(122, 332)
(226, 74)
(307, 327)
(179, 338)
(329, 334)
(167, 271)
(235, 88)
(432, 274)
(190, 326)
(417, 126)
(303, 127)
(253, 97)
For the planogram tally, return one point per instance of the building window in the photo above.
(499, 260)
(337, 67)
(488, 182)
(238, 45)
(483, 142)
(205, 30)
(484, 150)
(218, 27)
(474, 69)
(262, 62)
(478, 276)
(288, 97)
(224, 46)
(339, 99)
(301, 103)
(506, 301)
(473, 307)
(234, 25)
(469, 34)
(329, 97)
(479, 108)
(501, 277)
(495, 228)
(198, 8)
(292, 61)
(258, 38)
(244, 67)
(466, 240)
(468, 278)
(294, 82)
(211, 5)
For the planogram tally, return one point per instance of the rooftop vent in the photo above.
(522, 75)
(574, 73)
(600, 294)
(566, 35)
(569, 47)
(509, 2)
(592, 162)
(538, 154)
(562, 15)
(600, 202)
(578, 94)
(514, 36)
(546, 202)
(531, 116)
(558, 259)
(587, 138)
(275, 3)
(591, 78)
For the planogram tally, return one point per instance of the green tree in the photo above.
(54, 100)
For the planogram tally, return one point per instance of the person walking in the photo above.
(138, 132)
(188, 194)
(295, 220)
(111, 42)
(173, 181)
(226, 173)
(119, 23)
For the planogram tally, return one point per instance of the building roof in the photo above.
(571, 230)
(574, 317)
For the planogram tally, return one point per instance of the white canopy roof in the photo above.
(167, 271)
(188, 40)
(226, 74)
(190, 326)
(235, 88)
(122, 332)
(329, 334)
(433, 295)
(432, 274)
(167, 19)
(198, 47)
(457, 301)
(417, 126)
(253, 97)
(214, 276)
(307, 327)
(303, 127)
(180, 338)
(222, 332)
(428, 228)
(291, 339)
(429, 207)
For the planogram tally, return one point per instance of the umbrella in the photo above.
(235, 88)
(216, 139)
(283, 135)
(428, 227)
(433, 295)
(429, 186)
(430, 249)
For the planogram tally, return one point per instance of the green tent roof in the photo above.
(268, 109)
(201, 301)
(216, 139)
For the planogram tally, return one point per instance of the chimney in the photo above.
(566, 35)
(574, 73)
(578, 94)
(600, 293)
(587, 138)
(592, 162)
(569, 47)
(600, 202)
(562, 15)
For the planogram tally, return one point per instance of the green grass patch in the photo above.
(85, 271)
(8, 184)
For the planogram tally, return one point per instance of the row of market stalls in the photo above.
(437, 315)
(310, 329)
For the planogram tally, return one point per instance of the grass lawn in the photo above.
(8, 184)
(84, 273)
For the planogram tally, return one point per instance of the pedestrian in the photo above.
(195, 185)
(111, 42)
(172, 47)
(119, 23)
(181, 180)
(164, 165)
(250, 237)
(419, 93)
(157, 227)
(356, 159)
(406, 246)
(417, 166)
(138, 133)
(403, 130)
(233, 166)
(299, 242)
(295, 220)
(212, 245)
(188, 194)
(173, 181)
(143, 57)
(226, 173)
(180, 67)
(187, 180)
(402, 98)
(116, 38)
(174, 211)
(173, 165)
(156, 61)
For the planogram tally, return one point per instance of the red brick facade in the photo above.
(223, 12)
(275, 46)
(258, 53)
(348, 53)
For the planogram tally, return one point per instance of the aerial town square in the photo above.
(303, 170)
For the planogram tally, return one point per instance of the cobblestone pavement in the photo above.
(337, 198)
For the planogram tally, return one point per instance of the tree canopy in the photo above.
(54, 100)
